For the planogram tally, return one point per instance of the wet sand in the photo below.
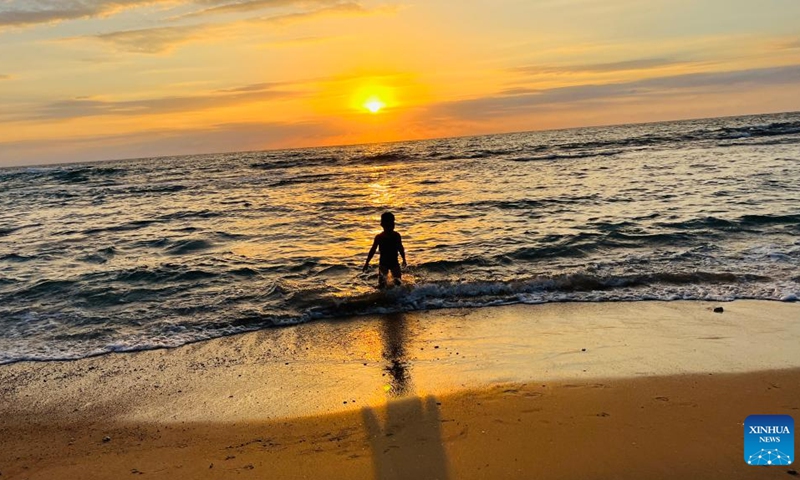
(613, 390)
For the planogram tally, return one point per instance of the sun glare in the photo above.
(374, 105)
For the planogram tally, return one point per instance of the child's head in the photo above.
(387, 221)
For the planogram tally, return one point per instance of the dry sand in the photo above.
(660, 391)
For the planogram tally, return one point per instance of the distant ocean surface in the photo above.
(158, 252)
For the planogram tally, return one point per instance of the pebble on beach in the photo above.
(718, 309)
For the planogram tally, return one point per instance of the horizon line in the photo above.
(344, 145)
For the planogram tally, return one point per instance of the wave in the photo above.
(13, 257)
(183, 247)
(315, 304)
(300, 179)
(723, 136)
(737, 224)
(83, 174)
(567, 156)
(531, 204)
(187, 214)
(560, 288)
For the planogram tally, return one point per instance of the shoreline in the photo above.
(373, 316)
(268, 398)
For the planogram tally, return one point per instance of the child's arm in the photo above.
(371, 253)
(402, 250)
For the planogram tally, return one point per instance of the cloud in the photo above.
(155, 40)
(638, 64)
(524, 101)
(232, 137)
(250, 6)
(5, 77)
(32, 12)
(88, 107)
(254, 87)
(21, 13)
(163, 39)
(348, 8)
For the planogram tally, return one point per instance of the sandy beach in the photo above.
(576, 390)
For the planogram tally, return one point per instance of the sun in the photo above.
(374, 104)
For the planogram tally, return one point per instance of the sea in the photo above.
(159, 252)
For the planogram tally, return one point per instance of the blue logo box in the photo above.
(769, 440)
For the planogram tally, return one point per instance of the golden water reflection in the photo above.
(394, 336)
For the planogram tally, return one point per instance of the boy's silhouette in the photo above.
(390, 244)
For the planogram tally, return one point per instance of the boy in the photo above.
(390, 245)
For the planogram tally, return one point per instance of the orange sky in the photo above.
(96, 79)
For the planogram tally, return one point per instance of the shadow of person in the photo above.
(409, 444)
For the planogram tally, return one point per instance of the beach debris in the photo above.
(106, 439)
(718, 309)
(436, 346)
(583, 349)
(792, 472)
(211, 466)
(136, 472)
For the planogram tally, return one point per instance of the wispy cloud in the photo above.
(21, 13)
(338, 9)
(525, 101)
(32, 12)
(251, 6)
(164, 39)
(88, 107)
(627, 65)
(155, 40)
(254, 87)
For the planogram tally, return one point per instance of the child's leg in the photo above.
(382, 272)
(397, 274)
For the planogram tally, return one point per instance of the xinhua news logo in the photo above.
(769, 440)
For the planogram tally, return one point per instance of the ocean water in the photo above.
(158, 252)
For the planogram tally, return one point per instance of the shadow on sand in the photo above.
(408, 443)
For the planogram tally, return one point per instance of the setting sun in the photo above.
(374, 105)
